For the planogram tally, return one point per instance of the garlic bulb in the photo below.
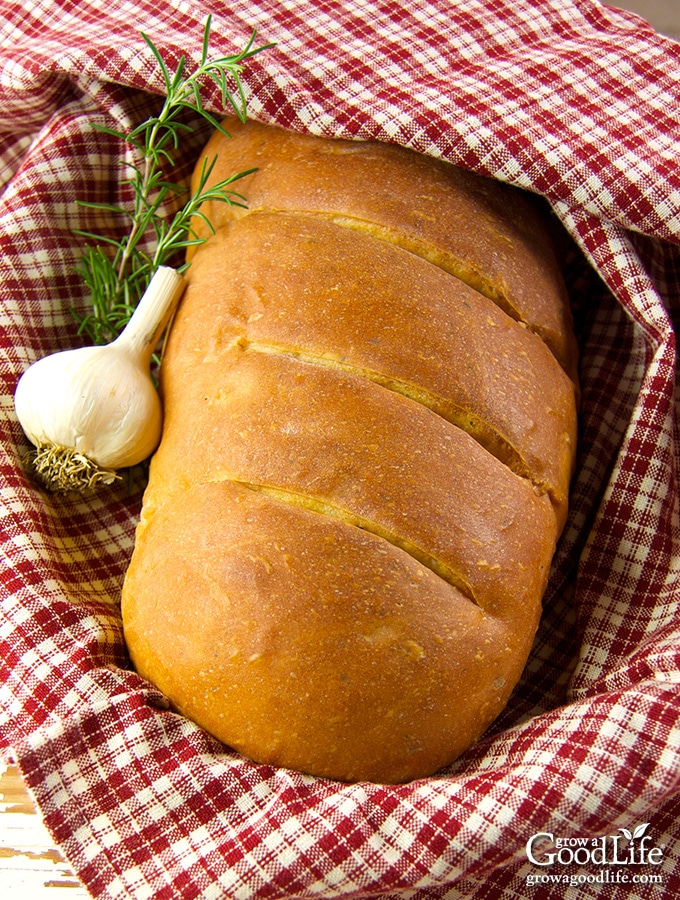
(93, 410)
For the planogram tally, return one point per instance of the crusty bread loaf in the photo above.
(370, 429)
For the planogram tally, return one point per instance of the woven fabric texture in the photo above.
(568, 98)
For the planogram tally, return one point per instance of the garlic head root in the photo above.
(63, 469)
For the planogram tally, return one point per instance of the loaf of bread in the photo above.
(370, 428)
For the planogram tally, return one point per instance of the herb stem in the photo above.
(117, 282)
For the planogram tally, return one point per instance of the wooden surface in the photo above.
(664, 15)
(31, 868)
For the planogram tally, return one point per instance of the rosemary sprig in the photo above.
(117, 272)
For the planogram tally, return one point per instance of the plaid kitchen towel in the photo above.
(575, 790)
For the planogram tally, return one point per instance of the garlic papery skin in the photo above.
(101, 404)
(94, 410)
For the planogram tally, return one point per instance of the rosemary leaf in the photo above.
(118, 276)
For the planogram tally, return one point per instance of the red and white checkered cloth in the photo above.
(568, 98)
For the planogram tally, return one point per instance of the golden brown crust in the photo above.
(306, 642)
(334, 442)
(364, 468)
(486, 233)
(457, 352)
